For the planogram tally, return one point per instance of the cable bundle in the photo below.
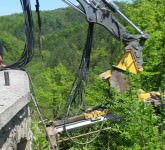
(76, 93)
(29, 41)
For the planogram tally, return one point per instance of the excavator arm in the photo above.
(103, 12)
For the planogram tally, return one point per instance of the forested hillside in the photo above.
(63, 39)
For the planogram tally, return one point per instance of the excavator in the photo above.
(104, 13)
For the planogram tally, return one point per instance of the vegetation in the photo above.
(64, 34)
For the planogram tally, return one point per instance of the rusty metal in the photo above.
(91, 113)
(69, 120)
(52, 136)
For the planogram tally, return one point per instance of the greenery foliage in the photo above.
(64, 34)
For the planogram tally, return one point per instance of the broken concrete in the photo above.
(16, 134)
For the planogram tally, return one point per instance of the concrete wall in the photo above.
(17, 135)
(15, 122)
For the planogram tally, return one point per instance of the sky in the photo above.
(8, 7)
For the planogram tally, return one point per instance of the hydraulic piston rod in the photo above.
(115, 8)
(74, 6)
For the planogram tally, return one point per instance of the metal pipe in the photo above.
(113, 6)
(130, 22)
(79, 136)
(73, 6)
(84, 123)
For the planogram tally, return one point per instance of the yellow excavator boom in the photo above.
(126, 63)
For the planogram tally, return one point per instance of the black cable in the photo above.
(29, 40)
(39, 26)
(77, 87)
(83, 71)
(38, 14)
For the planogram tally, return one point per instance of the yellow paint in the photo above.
(128, 63)
(142, 95)
(94, 114)
(105, 75)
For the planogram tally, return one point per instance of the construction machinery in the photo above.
(102, 12)
(105, 13)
